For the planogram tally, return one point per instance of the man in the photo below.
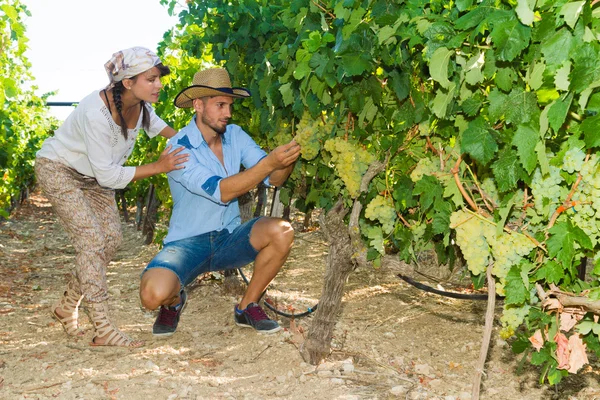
(205, 231)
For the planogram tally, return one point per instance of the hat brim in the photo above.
(186, 97)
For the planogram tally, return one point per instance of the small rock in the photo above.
(325, 374)
(389, 335)
(303, 378)
(423, 369)
(326, 366)
(398, 390)
(347, 368)
(464, 396)
(337, 381)
(172, 397)
(281, 378)
(150, 365)
(437, 384)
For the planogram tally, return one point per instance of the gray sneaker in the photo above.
(255, 317)
(168, 318)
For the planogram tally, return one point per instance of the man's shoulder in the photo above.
(181, 138)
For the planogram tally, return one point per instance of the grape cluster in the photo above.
(471, 240)
(282, 136)
(350, 161)
(425, 166)
(585, 213)
(573, 160)
(489, 188)
(382, 209)
(512, 317)
(508, 249)
(309, 134)
(547, 191)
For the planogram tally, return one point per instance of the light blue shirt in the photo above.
(196, 191)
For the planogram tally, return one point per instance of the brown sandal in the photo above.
(69, 303)
(107, 330)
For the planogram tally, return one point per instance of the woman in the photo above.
(79, 168)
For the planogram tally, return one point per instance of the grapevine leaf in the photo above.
(473, 18)
(525, 140)
(478, 142)
(497, 107)
(555, 375)
(563, 235)
(535, 75)
(540, 150)
(590, 127)
(451, 190)
(558, 112)
(400, 82)
(442, 100)
(525, 11)
(556, 49)
(287, 93)
(438, 66)
(541, 357)
(441, 217)
(561, 78)
(551, 271)
(472, 105)
(571, 11)
(356, 63)
(429, 190)
(507, 170)
(586, 70)
(510, 37)
(521, 106)
(403, 194)
(516, 292)
(504, 78)
(585, 327)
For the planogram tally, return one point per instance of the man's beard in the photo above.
(218, 129)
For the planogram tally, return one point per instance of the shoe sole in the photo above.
(265, 332)
(167, 334)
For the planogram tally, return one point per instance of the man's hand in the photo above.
(284, 155)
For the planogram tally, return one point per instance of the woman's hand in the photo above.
(172, 160)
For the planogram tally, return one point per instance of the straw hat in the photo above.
(209, 82)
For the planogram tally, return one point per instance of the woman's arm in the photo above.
(168, 132)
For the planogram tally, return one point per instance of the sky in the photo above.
(70, 40)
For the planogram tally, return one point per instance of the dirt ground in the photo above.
(392, 341)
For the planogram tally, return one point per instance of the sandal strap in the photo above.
(104, 328)
(69, 303)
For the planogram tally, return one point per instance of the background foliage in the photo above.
(24, 120)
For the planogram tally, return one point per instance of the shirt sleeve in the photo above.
(198, 178)
(251, 152)
(156, 123)
(99, 152)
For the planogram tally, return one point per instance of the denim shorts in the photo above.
(211, 251)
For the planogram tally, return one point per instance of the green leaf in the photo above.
(505, 78)
(558, 112)
(507, 170)
(441, 217)
(438, 66)
(356, 63)
(400, 82)
(442, 100)
(478, 142)
(287, 93)
(516, 292)
(561, 78)
(590, 127)
(525, 11)
(535, 75)
(429, 190)
(521, 107)
(556, 49)
(510, 38)
(563, 235)
(525, 140)
(571, 11)
(551, 271)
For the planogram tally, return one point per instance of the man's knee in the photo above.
(158, 287)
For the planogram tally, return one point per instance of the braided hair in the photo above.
(118, 89)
